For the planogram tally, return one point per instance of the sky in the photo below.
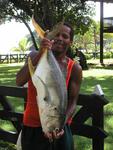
(12, 33)
(108, 8)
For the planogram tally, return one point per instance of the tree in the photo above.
(48, 12)
(76, 12)
(9, 11)
(90, 39)
(23, 46)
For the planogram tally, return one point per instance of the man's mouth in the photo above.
(58, 42)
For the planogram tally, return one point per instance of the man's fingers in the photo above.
(49, 136)
(46, 32)
(57, 134)
(46, 43)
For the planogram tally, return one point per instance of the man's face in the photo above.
(62, 40)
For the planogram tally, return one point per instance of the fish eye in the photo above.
(55, 108)
(45, 98)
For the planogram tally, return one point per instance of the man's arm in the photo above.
(23, 75)
(73, 89)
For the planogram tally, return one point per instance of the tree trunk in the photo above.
(32, 36)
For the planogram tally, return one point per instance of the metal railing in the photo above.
(13, 58)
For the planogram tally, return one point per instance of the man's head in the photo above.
(71, 32)
(63, 39)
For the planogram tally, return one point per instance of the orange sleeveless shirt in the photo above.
(31, 114)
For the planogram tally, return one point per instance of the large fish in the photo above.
(50, 84)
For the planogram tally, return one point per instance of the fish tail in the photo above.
(31, 67)
(38, 29)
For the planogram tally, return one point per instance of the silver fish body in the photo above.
(51, 92)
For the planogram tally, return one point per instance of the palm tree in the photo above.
(23, 46)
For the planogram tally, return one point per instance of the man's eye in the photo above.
(65, 36)
(57, 35)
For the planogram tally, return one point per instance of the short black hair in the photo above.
(72, 31)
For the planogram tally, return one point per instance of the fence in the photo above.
(10, 58)
(91, 106)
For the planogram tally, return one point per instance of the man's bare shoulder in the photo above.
(76, 71)
(33, 53)
(77, 67)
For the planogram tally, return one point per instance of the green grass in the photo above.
(104, 77)
(8, 77)
(96, 74)
(8, 73)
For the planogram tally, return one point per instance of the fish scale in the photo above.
(59, 80)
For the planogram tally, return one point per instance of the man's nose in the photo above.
(60, 37)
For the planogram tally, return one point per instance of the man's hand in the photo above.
(56, 134)
(46, 44)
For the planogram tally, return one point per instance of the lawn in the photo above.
(96, 74)
(103, 76)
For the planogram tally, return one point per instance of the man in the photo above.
(32, 136)
(82, 59)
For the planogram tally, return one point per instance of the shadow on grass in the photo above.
(89, 83)
(87, 87)
(7, 146)
(99, 66)
(109, 128)
(8, 74)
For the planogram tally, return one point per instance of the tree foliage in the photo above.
(90, 40)
(23, 46)
(48, 12)
(11, 9)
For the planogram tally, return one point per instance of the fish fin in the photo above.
(38, 29)
(31, 67)
(46, 89)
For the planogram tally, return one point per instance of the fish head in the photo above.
(54, 119)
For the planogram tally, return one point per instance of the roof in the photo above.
(108, 24)
(106, 1)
